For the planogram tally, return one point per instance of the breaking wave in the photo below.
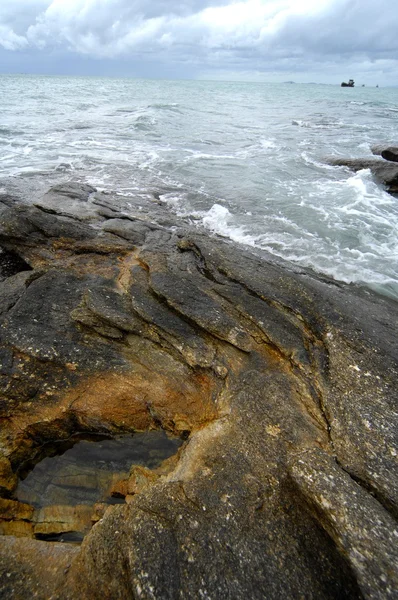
(245, 162)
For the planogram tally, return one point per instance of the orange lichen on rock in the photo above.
(139, 402)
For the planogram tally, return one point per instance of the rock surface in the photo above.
(385, 172)
(283, 383)
(386, 152)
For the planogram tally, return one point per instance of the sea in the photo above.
(247, 161)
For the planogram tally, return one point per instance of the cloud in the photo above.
(104, 28)
(10, 40)
(240, 35)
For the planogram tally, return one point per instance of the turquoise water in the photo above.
(245, 160)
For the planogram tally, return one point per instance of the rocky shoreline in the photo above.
(384, 171)
(281, 385)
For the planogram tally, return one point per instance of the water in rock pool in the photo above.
(245, 160)
(67, 490)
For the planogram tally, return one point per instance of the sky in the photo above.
(322, 41)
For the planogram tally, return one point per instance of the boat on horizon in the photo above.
(349, 84)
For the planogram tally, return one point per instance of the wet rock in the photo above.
(383, 171)
(197, 306)
(388, 153)
(13, 287)
(52, 335)
(69, 200)
(180, 334)
(89, 470)
(73, 190)
(133, 231)
(282, 384)
(32, 226)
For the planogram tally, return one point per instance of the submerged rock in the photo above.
(282, 383)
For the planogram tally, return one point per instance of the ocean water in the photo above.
(244, 160)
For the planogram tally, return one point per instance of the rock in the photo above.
(69, 200)
(363, 530)
(140, 478)
(133, 231)
(99, 510)
(44, 565)
(11, 290)
(11, 509)
(384, 172)
(11, 264)
(17, 529)
(120, 489)
(73, 190)
(283, 385)
(388, 153)
(15, 518)
(54, 520)
(8, 479)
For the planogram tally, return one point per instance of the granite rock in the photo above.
(282, 383)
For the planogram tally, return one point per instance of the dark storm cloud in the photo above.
(258, 36)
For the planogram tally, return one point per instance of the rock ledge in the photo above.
(282, 384)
